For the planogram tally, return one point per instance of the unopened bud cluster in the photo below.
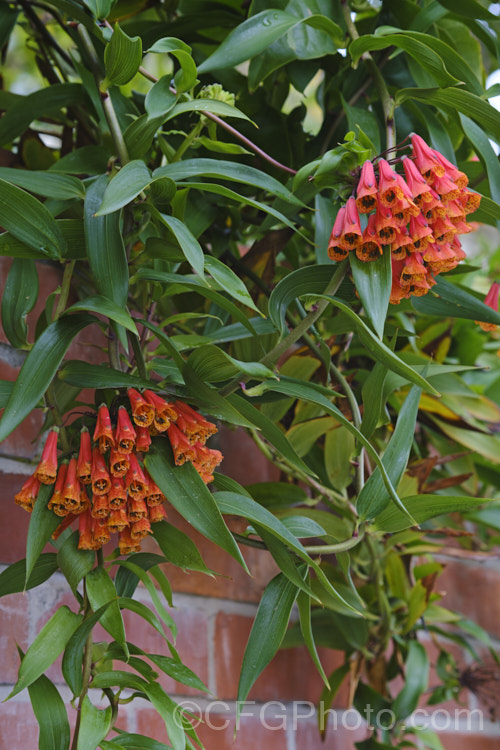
(106, 486)
(419, 216)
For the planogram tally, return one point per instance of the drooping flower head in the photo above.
(101, 482)
(84, 464)
(125, 435)
(103, 433)
(142, 412)
(164, 412)
(367, 190)
(28, 493)
(46, 471)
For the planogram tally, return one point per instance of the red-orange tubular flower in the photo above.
(100, 506)
(125, 435)
(156, 513)
(336, 251)
(117, 495)
(154, 496)
(135, 479)
(181, 447)
(100, 532)
(143, 440)
(72, 490)
(84, 464)
(119, 464)
(389, 189)
(193, 425)
(143, 412)
(425, 159)
(46, 471)
(366, 193)
(28, 493)
(57, 499)
(165, 413)
(140, 529)
(370, 247)
(86, 540)
(126, 544)
(491, 300)
(101, 482)
(118, 520)
(103, 433)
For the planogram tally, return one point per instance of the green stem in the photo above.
(138, 355)
(193, 135)
(65, 287)
(247, 541)
(329, 549)
(114, 353)
(50, 398)
(385, 98)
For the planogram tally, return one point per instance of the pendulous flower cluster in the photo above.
(106, 486)
(419, 216)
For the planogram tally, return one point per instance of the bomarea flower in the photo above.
(142, 411)
(103, 433)
(28, 493)
(46, 471)
(419, 211)
(125, 435)
(491, 300)
(84, 463)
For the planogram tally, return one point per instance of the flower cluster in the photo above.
(419, 215)
(106, 487)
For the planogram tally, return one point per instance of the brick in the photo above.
(474, 591)
(13, 629)
(22, 441)
(18, 726)
(236, 444)
(14, 520)
(291, 675)
(232, 582)
(468, 740)
(339, 737)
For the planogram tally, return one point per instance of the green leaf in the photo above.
(134, 742)
(101, 590)
(85, 375)
(307, 280)
(205, 105)
(255, 34)
(94, 725)
(39, 369)
(414, 44)
(208, 398)
(187, 241)
(49, 184)
(177, 671)
(229, 281)
(424, 507)
(126, 582)
(149, 586)
(105, 306)
(416, 680)
(100, 8)
(304, 605)
(483, 148)
(226, 170)
(126, 185)
(13, 578)
(167, 43)
(456, 99)
(373, 401)
(159, 99)
(189, 495)
(43, 522)
(339, 451)
(49, 643)
(50, 712)
(19, 297)
(143, 611)
(213, 365)
(373, 283)
(105, 248)
(30, 221)
(122, 56)
(469, 9)
(267, 632)
(178, 548)
(456, 303)
(169, 711)
(374, 497)
(73, 653)
(47, 101)
(73, 562)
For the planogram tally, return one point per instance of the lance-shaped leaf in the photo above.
(188, 243)
(13, 578)
(105, 306)
(229, 281)
(374, 497)
(190, 496)
(30, 221)
(178, 548)
(85, 375)
(126, 185)
(50, 712)
(424, 507)
(73, 653)
(213, 365)
(95, 723)
(373, 282)
(100, 591)
(39, 369)
(19, 297)
(456, 302)
(304, 605)
(122, 56)
(48, 184)
(159, 99)
(46, 647)
(43, 523)
(416, 680)
(74, 563)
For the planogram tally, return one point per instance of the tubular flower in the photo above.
(125, 435)
(119, 464)
(126, 544)
(154, 496)
(84, 464)
(85, 530)
(101, 482)
(100, 532)
(369, 247)
(156, 513)
(164, 412)
(389, 188)
(425, 159)
(28, 493)
(491, 300)
(72, 489)
(46, 471)
(335, 249)
(100, 506)
(351, 230)
(137, 509)
(143, 440)
(140, 529)
(103, 433)
(181, 446)
(142, 412)
(135, 479)
(194, 425)
(417, 186)
(366, 193)
(118, 520)
(57, 501)
(117, 495)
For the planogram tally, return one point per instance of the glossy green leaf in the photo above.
(126, 581)
(178, 548)
(50, 712)
(43, 522)
(168, 710)
(304, 605)
(30, 221)
(95, 723)
(373, 283)
(188, 243)
(373, 402)
(135, 742)
(105, 248)
(226, 170)
(416, 680)
(19, 297)
(49, 643)
(39, 369)
(126, 185)
(47, 184)
(454, 302)
(46, 101)
(13, 578)
(485, 444)
(73, 562)
(122, 56)
(149, 586)
(105, 306)
(100, 591)
(205, 105)
(143, 611)
(99, 8)
(85, 375)
(229, 281)
(484, 149)
(118, 678)
(340, 450)
(424, 507)
(159, 99)
(267, 632)
(468, 8)
(177, 671)
(374, 497)
(210, 400)
(189, 495)
(213, 365)
(73, 653)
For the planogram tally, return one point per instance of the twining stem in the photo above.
(385, 98)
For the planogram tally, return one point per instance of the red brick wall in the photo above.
(213, 616)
